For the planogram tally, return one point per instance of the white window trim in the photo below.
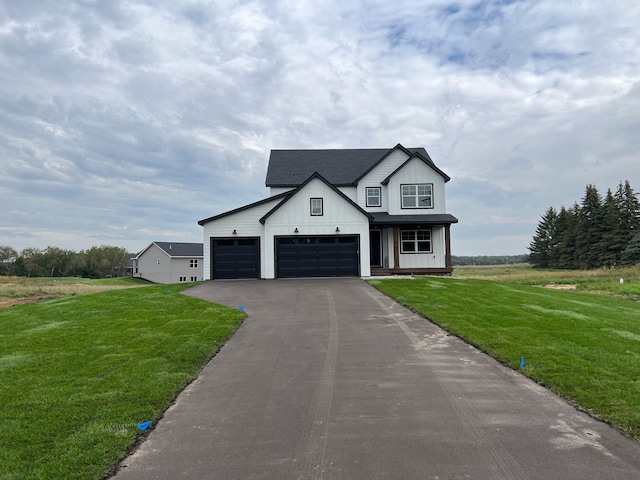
(416, 241)
(416, 196)
(366, 194)
(314, 208)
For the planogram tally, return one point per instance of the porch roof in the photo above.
(383, 218)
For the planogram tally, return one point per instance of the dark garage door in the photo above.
(317, 257)
(235, 258)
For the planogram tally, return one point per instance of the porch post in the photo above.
(396, 248)
(447, 242)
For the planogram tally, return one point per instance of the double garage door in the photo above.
(330, 256)
(317, 257)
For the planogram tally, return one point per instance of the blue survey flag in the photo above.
(144, 425)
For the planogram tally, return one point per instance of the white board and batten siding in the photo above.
(416, 172)
(278, 190)
(436, 259)
(377, 175)
(296, 213)
(246, 223)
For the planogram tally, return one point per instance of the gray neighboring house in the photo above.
(169, 262)
(334, 213)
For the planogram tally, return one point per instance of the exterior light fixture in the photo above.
(234, 232)
(296, 230)
(337, 229)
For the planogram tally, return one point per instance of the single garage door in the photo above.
(317, 256)
(235, 258)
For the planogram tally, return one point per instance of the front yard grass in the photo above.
(583, 346)
(78, 374)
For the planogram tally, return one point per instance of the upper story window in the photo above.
(316, 207)
(417, 196)
(193, 263)
(374, 196)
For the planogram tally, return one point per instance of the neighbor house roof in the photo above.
(344, 167)
(383, 218)
(180, 249)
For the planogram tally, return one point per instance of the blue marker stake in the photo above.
(522, 362)
(144, 425)
(169, 291)
(240, 308)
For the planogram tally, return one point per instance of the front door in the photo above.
(375, 244)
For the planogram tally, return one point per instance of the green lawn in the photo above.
(78, 374)
(586, 347)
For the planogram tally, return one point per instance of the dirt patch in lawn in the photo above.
(561, 287)
(12, 302)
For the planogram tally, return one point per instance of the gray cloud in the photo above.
(128, 121)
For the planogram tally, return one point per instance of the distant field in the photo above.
(18, 290)
(605, 281)
(583, 346)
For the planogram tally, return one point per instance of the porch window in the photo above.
(316, 207)
(415, 241)
(374, 197)
(417, 196)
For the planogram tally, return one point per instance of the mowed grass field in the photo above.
(584, 346)
(78, 374)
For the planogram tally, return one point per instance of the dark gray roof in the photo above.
(245, 207)
(289, 168)
(383, 218)
(181, 249)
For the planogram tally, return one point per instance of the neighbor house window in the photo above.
(374, 197)
(417, 196)
(193, 263)
(316, 207)
(415, 241)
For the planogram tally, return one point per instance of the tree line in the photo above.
(598, 232)
(489, 260)
(97, 262)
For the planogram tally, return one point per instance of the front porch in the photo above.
(410, 244)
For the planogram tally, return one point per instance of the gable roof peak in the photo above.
(313, 176)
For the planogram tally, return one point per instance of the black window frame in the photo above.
(311, 207)
(416, 196)
(366, 194)
(416, 241)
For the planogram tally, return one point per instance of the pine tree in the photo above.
(541, 244)
(566, 232)
(613, 240)
(589, 230)
(631, 254)
(629, 207)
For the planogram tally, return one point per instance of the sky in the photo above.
(124, 122)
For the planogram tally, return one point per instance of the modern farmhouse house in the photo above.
(332, 213)
(169, 262)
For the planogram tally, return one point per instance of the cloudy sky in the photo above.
(127, 121)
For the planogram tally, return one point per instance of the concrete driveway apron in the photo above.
(330, 379)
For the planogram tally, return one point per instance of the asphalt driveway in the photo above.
(330, 379)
